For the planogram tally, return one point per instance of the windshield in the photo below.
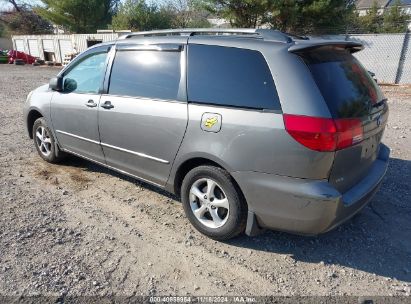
(348, 89)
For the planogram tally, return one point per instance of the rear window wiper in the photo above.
(380, 103)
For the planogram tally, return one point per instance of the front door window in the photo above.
(87, 76)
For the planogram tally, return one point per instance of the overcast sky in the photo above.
(5, 5)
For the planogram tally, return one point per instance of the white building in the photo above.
(55, 47)
(363, 6)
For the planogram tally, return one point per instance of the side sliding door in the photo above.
(143, 116)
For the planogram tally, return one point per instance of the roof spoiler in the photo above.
(307, 45)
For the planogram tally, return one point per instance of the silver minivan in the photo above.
(253, 129)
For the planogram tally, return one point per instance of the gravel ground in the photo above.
(80, 229)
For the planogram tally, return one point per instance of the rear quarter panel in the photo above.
(250, 140)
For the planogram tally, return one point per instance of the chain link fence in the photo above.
(387, 55)
(384, 54)
(405, 65)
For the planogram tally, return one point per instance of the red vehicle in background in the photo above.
(13, 55)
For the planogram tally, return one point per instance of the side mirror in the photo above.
(56, 84)
(70, 85)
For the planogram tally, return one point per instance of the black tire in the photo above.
(54, 155)
(236, 217)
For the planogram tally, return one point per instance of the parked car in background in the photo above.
(4, 56)
(251, 128)
(13, 55)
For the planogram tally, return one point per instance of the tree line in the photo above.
(293, 16)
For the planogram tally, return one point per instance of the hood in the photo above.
(43, 88)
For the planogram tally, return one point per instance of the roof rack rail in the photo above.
(266, 34)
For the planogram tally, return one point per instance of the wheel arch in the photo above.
(251, 226)
(193, 162)
(32, 116)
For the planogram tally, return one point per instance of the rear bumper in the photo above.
(305, 206)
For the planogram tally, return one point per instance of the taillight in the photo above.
(324, 134)
(349, 132)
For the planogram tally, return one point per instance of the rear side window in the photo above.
(231, 77)
(346, 86)
(151, 74)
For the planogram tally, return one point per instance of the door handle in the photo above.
(91, 104)
(107, 105)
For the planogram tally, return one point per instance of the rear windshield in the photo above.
(348, 89)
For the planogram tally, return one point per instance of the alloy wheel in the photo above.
(43, 141)
(209, 203)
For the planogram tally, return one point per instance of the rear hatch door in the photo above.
(350, 93)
